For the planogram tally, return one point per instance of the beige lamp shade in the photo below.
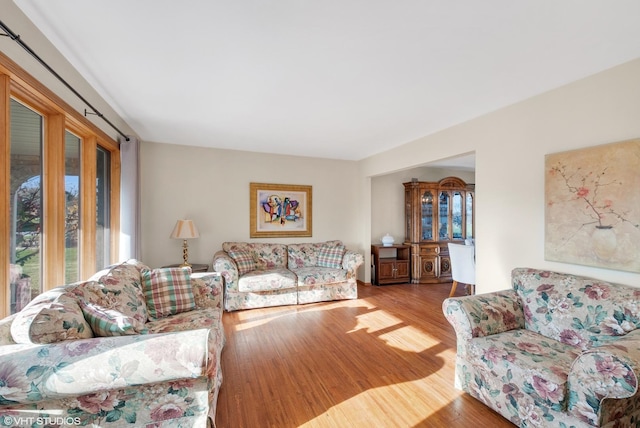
(185, 229)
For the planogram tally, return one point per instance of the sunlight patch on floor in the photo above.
(250, 319)
(376, 321)
(378, 404)
(249, 314)
(394, 331)
(409, 338)
(247, 321)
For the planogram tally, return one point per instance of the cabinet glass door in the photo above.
(443, 211)
(427, 216)
(456, 216)
(408, 210)
(469, 215)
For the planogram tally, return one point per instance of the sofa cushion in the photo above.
(207, 289)
(306, 254)
(527, 362)
(302, 255)
(168, 291)
(576, 310)
(51, 317)
(117, 298)
(266, 256)
(269, 256)
(244, 260)
(118, 288)
(330, 256)
(267, 280)
(107, 322)
(192, 320)
(320, 275)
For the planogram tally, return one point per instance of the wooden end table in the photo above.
(195, 267)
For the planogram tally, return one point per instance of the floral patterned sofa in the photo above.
(259, 274)
(131, 347)
(557, 350)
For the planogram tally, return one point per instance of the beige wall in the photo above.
(510, 145)
(211, 187)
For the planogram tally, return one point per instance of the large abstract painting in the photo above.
(279, 210)
(592, 214)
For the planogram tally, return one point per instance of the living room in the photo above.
(359, 200)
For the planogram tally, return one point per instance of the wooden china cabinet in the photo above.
(436, 213)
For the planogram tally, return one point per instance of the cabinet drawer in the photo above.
(431, 250)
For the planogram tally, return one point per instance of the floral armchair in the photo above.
(556, 350)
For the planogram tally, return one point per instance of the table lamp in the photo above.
(185, 229)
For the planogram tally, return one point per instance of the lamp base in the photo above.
(185, 255)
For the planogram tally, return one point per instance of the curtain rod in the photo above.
(16, 38)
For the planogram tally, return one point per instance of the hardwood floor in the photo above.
(383, 360)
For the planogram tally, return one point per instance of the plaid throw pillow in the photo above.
(244, 261)
(107, 322)
(331, 256)
(168, 291)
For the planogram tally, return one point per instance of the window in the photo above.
(103, 181)
(73, 207)
(59, 195)
(25, 205)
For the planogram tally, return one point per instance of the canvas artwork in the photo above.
(280, 210)
(592, 214)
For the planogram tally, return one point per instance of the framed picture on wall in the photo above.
(592, 206)
(279, 210)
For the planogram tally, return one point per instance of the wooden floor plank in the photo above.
(384, 360)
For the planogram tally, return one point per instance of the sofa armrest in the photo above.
(351, 261)
(207, 289)
(77, 367)
(484, 314)
(228, 268)
(610, 371)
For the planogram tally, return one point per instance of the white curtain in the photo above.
(130, 199)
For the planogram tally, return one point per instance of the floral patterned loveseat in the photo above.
(557, 350)
(131, 347)
(260, 274)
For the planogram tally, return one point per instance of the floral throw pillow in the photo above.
(119, 288)
(168, 291)
(244, 261)
(51, 317)
(107, 322)
(330, 256)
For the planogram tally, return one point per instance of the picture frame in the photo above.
(592, 206)
(280, 210)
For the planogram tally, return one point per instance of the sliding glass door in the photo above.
(25, 205)
(59, 196)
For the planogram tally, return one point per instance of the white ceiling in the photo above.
(341, 79)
